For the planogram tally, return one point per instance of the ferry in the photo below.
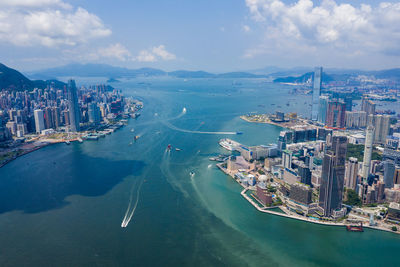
(228, 144)
(355, 228)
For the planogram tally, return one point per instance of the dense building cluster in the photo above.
(67, 109)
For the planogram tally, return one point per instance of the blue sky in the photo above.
(219, 35)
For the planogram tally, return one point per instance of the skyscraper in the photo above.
(382, 125)
(388, 173)
(316, 92)
(39, 120)
(368, 106)
(323, 107)
(336, 114)
(94, 113)
(332, 179)
(351, 173)
(366, 166)
(74, 111)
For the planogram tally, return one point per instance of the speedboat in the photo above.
(178, 149)
(192, 173)
(169, 147)
(239, 132)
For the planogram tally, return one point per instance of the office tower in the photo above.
(396, 178)
(366, 166)
(39, 120)
(323, 107)
(287, 159)
(348, 100)
(368, 106)
(336, 114)
(56, 116)
(356, 119)
(332, 180)
(48, 118)
(382, 125)
(388, 173)
(74, 111)
(304, 173)
(351, 173)
(94, 113)
(301, 193)
(316, 92)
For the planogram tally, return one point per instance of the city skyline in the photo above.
(205, 35)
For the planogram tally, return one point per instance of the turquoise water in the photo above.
(64, 205)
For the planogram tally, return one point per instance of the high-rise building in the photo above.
(74, 110)
(323, 107)
(351, 173)
(335, 116)
(368, 106)
(316, 92)
(349, 103)
(56, 116)
(94, 113)
(39, 120)
(396, 178)
(388, 173)
(48, 118)
(304, 173)
(366, 166)
(287, 159)
(382, 125)
(332, 180)
(356, 119)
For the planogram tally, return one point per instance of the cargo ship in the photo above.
(355, 228)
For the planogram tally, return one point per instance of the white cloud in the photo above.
(114, 52)
(48, 23)
(306, 27)
(246, 28)
(154, 54)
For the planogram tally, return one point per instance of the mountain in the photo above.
(309, 76)
(14, 80)
(103, 70)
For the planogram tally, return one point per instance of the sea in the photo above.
(112, 203)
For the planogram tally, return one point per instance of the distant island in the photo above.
(113, 80)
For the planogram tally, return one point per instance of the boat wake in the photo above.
(130, 211)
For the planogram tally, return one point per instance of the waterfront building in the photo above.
(351, 173)
(56, 117)
(74, 110)
(12, 127)
(394, 212)
(316, 92)
(323, 107)
(382, 125)
(335, 116)
(39, 120)
(388, 171)
(263, 195)
(48, 118)
(332, 180)
(368, 106)
(301, 193)
(368, 152)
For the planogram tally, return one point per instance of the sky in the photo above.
(211, 35)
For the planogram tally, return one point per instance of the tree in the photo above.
(352, 198)
(394, 228)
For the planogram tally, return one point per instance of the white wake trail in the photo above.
(127, 217)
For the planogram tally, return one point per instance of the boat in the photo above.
(132, 130)
(239, 132)
(178, 149)
(228, 144)
(67, 142)
(136, 137)
(169, 147)
(192, 173)
(355, 228)
(80, 140)
(130, 143)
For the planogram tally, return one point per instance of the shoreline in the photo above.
(291, 216)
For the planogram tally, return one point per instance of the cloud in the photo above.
(330, 26)
(154, 54)
(48, 23)
(246, 28)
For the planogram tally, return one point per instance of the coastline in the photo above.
(292, 216)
